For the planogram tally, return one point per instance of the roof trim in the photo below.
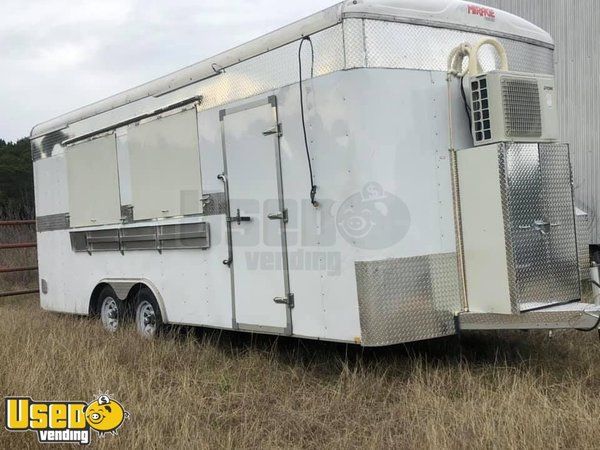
(448, 25)
(199, 71)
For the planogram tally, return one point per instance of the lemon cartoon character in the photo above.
(105, 415)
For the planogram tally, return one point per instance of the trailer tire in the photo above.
(111, 310)
(148, 318)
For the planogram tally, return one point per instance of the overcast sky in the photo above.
(58, 55)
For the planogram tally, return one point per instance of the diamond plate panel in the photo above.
(407, 299)
(557, 184)
(401, 45)
(275, 69)
(53, 222)
(216, 205)
(582, 225)
(575, 315)
(354, 43)
(508, 235)
(542, 225)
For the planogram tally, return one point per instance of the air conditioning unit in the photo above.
(513, 107)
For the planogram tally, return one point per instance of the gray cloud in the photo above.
(57, 55)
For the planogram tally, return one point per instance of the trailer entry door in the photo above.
(257, 218)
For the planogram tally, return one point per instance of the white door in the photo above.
(258, 243)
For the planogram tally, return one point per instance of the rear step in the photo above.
(579, 316)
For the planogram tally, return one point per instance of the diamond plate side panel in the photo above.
(508, 235)
(54, 222)
(401, 45)
(407, 299)
(582, 224)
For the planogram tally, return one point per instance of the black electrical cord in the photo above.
(467, 105)
(313, 187)
(587, 330)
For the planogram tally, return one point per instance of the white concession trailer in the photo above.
(381, 172)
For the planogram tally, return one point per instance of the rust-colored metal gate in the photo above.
(17, 245)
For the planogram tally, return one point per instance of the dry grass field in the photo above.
(207, 389)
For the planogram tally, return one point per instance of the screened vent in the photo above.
(522, 109)
(482, 125)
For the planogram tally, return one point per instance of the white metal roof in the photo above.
(438, 13)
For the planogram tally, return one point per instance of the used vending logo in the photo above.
(64, 422)
(486, 13)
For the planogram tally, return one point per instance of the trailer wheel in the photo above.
(148, 319)
(112, 310)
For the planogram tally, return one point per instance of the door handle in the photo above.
(239, 218)
(277, 129)
(542, 226)
(281, 215)
(287, 300)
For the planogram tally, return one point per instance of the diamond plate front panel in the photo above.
(407, 299)
(402, 45)
(540, 212)
(354, 43)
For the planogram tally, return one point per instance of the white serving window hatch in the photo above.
(164, 160)
(153, 167)
(93, 182)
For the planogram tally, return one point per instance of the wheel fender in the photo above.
(122, 288)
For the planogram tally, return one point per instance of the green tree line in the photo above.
(16, 180)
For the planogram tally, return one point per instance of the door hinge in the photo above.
(277, 129)
(288, 300)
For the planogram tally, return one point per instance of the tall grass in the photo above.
(205, 389)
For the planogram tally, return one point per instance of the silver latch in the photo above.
(277, 129)
(239, 218)
(281, 215)
(542, 226)
(288, 300)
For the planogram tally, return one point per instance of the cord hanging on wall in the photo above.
(313, 186)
